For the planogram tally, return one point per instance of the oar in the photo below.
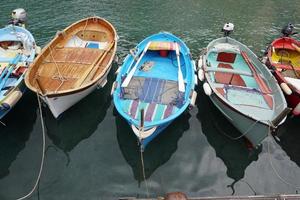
(261, 83)
(180, 76)
(3, 73)
(12, 64)
(131, 73)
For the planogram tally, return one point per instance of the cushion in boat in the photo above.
(226, 57)
(158, 45)
(153, 90)
(153, 111)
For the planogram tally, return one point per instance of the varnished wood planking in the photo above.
(72, 62)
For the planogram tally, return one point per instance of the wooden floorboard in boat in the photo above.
(71, 63)
(73, 55)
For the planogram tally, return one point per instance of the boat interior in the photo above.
(154, 86)
(11, 67)
(235, 77)
(75, 58)
(286, 57)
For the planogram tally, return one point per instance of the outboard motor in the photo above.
(288, 30)
(18, 17)
(227, 29)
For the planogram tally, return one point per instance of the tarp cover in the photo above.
(153, 90)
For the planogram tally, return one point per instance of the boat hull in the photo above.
(59, 104)
(252, 129)
(158, 130)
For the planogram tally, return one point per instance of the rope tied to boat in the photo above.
(60, 76)
(43, 152)
(141, 129)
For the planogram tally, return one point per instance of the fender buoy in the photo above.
(118, 70)
(201, 75)
(196, 79)
(38, 50)
(12, 99)
(296, 110)
(194, 65)
(207, 89)
(113, 87)
(286, 89)
(193, 99)
(200, 62)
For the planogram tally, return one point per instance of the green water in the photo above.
(91, 152)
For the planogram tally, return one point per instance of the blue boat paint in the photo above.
(8, 83)
(169, 71)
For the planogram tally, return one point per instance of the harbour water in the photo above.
(91, 152)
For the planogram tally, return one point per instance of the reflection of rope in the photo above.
(143, 171)
(43, 153)
(243, 134)
(275, 171)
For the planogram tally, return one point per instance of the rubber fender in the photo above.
(12, 99)
(118, 70)
(201, 75)
(286, 89)
(196, 79)
(200, 63)
(207, 89)
(194, 65)
(193, 99)
(296, 110)
(38, 50)
(113, 87)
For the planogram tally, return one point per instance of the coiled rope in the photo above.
(43, 153)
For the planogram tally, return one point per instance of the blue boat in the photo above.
(155, 85)
(17, 51)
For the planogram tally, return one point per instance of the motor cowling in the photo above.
(18, 17)
(288, 30)
(227, 29)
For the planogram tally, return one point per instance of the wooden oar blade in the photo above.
(181, 87)
(131, 73)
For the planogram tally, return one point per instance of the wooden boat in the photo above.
(155, 85)
(242, 88)
(17, 51)
(73, 64)
(283, 57)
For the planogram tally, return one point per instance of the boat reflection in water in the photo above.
(13, 136)
(290, 138)
(218, 130)
(158, 152)
(79, 122)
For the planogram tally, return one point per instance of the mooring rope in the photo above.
(143, 171)
(43, 153)
(243, 134)
(273, 168)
